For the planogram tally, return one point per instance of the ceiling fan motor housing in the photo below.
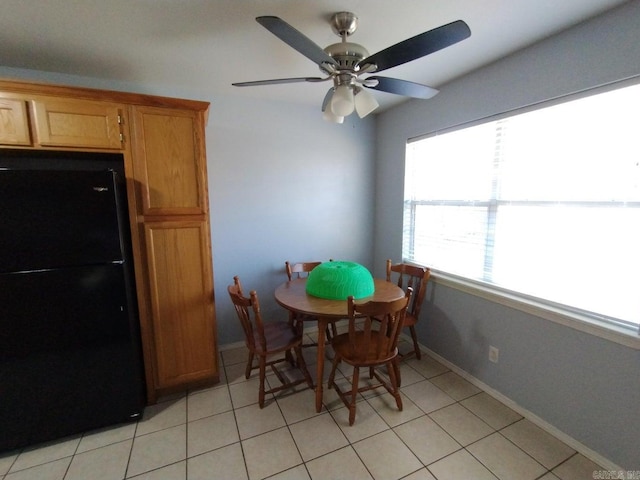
(347, 54)
(345, 62)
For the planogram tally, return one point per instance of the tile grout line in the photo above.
(133, 441)
(332, 414)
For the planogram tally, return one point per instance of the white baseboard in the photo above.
(533, 418)
(536, 420)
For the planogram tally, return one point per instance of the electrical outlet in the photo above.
(494, 354)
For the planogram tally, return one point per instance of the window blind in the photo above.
(545, 203)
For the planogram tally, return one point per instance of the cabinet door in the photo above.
(169, 151)
(181, 292)
(78, 123)
(14, 122)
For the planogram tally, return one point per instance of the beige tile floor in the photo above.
(448, 429)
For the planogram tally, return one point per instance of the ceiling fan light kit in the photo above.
(365, 102)
(329, 116)
(345, 62)
(342, 101)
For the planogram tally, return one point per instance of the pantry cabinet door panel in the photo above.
(182, 302)
(169, 153)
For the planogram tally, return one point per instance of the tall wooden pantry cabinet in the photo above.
(162, 141)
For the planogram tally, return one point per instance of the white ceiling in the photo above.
(205, 45)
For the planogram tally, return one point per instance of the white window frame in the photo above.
(572, 317)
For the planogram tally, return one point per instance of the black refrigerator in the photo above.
(70, 356)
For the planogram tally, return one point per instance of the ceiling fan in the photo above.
(345, 63)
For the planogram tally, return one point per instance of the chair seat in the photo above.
(364, 345)
(351, 355)
(267, 338)
(279, 336)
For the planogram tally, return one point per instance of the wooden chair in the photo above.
(264, 339)
(364, 345)
(417, 278)
(301, 270)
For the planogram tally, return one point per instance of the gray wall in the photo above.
(585, 386)
(297, 189)
(284, 184)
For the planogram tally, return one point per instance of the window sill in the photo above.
(584, 323)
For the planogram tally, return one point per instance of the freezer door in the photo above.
(69, 354)
(51, 219)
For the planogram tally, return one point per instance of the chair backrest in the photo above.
(248, 310)
(385, 318)
(412, 276)
(299, 270)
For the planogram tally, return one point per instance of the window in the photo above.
(545, 203)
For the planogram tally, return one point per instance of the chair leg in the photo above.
(354, 393)
(263, 368)
(289, 358)
(303, 366)
(332, 375)
(396, 368)
(416, 347)
(247, 371)
(391, 368)
(328, 335)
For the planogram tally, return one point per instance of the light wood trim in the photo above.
(32, 88)
(141, 278)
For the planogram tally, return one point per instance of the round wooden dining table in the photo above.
(293, 296)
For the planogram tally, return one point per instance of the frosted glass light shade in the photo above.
(342, 101)
(365, 103)
(339, 280)
(330, 117)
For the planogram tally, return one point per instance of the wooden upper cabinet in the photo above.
(14, 122)
(162, 141)
(61, 122)
(169, 151)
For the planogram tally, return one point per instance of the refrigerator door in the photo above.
(68, 355)
(56, 218)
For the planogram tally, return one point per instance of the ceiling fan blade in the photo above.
(401, 87)
(295, 39)
(277, 81)
(418, 46)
